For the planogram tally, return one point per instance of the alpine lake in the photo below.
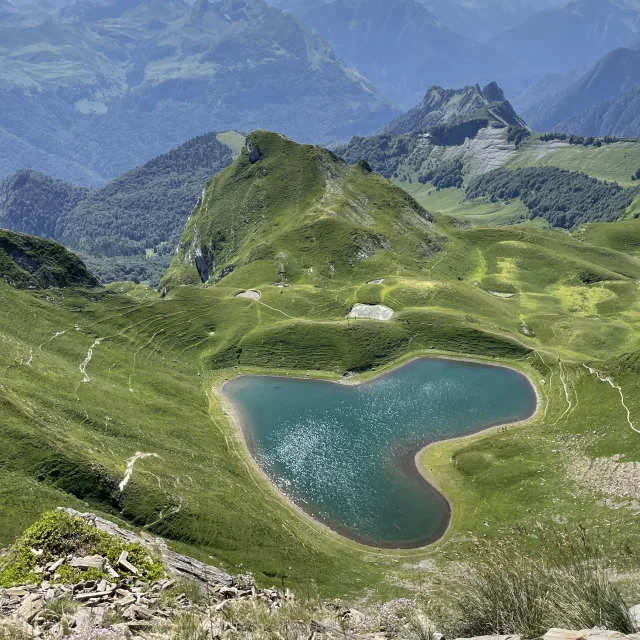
(345, 453)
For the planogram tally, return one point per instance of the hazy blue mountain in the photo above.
(619, 116)
(572, 36)
(603, 101)
(402, 47)
(105, 85)
(482, 19)
(477, 19)
(538, 102)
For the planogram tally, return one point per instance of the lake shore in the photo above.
(409, 463)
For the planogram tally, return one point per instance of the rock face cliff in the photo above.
(452, 106)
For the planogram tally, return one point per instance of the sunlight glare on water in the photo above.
(345, 453)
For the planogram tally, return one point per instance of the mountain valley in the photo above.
(541, 301)
(319, 319)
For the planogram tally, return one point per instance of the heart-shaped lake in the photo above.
(346, 453)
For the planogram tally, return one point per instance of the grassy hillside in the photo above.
(120, 371)
(27, 262)
(297, 213)
(439, 175)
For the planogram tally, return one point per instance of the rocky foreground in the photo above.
(193, 601)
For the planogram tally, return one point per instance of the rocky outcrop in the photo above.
(28, 262)
(178, 566)
(253, 150)
(493, 93)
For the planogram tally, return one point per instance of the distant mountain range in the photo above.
(604, 101)
(107, 85)
(478, 20)
(572, 36)
(92, 88)
(402, 47)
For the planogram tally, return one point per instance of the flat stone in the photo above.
(139, 625)
(16, 592)
(371, 312)
(125, 564)
(30, 607)
(492, 638)
(93, 594)
(584, 634)
(88, 619)
(88, 562)
(52, 568)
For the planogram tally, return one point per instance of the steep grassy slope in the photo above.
(298, 213)
(121, 371)
(623, 236)
(27, 262)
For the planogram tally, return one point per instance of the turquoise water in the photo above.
(345, 454)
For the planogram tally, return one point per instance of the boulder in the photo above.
(88, 562)
(30, 607)
(635, 614)
(177, 565)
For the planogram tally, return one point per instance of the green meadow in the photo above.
(89, 378)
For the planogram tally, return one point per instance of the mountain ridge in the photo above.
(114, 92)
(442, 106)
(130, 226)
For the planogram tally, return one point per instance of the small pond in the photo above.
(346, 453)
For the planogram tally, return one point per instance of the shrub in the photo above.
(59, 534)
(509, 591)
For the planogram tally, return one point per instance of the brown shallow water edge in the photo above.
(406, 458)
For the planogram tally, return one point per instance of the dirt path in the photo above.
(614, 385)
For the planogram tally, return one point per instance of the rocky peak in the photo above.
(493, 93)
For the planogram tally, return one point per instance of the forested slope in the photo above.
(129, 228)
